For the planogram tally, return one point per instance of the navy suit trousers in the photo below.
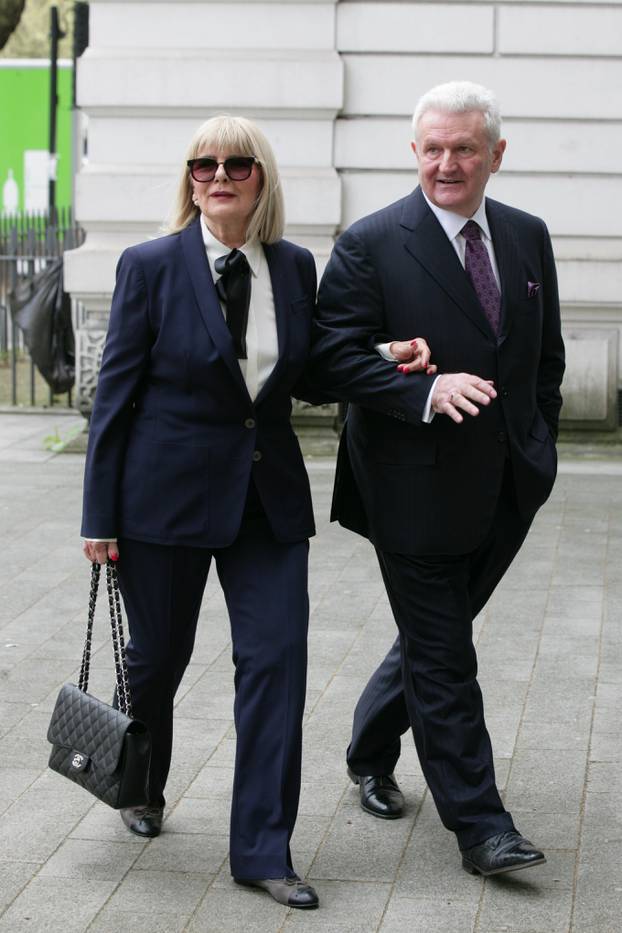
(265, 587)
(428, 680)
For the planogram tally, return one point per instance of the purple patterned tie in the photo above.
(479, 270)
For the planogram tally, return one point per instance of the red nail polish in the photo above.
(114, 557)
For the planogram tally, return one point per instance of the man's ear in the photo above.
(497, 155)
(413, 146)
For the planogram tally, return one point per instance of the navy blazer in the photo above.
(432, 488)
(174, 435)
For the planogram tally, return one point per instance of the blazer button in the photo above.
(257, 455)
(249, 423)
(501, 437)
(504, 392)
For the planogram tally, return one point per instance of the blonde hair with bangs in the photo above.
(238, 136)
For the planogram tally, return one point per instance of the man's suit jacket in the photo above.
(432, 488)
(174, 434)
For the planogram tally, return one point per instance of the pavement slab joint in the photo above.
(550, 652)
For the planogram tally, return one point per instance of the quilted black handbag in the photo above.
(101, 748)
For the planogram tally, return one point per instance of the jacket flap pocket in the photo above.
(539, 429)
(408, 454)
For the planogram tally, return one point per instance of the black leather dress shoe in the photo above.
(144, 821)
(380, 795)
(507, 851)
(291, 892)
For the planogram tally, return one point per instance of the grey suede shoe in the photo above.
(291, 892)
(144, 821)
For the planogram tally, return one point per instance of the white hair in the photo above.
(462, 97)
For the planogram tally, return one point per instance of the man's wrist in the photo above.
(428, 414)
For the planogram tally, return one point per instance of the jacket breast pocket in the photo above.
(528, 304)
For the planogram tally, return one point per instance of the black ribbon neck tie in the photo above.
(234, 291)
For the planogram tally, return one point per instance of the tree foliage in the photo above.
(30, 35)
(10, 15)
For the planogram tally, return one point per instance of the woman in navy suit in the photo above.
(192, 459)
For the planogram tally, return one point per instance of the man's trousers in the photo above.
(428, 680)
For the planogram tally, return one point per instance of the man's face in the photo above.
(455, 159)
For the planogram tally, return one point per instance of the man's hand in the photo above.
(414, 356)
(456, 391)
(99, 551)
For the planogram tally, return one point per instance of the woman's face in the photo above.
(223, 202)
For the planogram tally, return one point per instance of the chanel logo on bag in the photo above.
(79, 762)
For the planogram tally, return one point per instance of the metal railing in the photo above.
(28, 241)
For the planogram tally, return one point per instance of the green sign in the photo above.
(24, 134)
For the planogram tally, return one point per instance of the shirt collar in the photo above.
(452, 223)
(216, 249)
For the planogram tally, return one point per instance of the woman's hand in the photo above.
(100, 551)
(414, 356)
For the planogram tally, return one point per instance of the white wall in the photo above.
(557, 70)
(152, 73)
(334, 84)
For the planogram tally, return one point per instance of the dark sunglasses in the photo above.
(238, 168)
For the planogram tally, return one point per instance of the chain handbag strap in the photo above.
(118, 640)
(85, 666)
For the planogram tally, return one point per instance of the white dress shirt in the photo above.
(262, 345)
(452, 224)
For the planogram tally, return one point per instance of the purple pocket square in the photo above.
(532, 289)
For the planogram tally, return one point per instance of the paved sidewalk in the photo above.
(550, 649)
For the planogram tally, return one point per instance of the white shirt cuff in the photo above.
(385, 353)
(428, 414)
(102, 540)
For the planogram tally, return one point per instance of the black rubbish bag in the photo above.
(42, 311)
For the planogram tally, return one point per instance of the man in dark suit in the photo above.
(442, 472)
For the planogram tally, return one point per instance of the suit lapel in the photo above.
(426, 241)
(506, 246)
(280, 294)
(207, 299)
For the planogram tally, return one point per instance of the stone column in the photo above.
(152, 73)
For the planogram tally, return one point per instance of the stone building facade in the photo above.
(333, 84)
